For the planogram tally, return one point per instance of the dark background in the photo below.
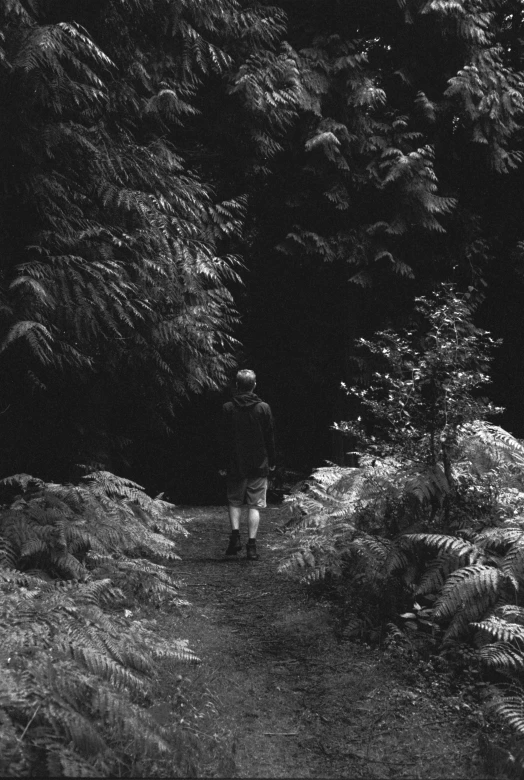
(300, 309)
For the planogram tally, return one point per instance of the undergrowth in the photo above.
(77, 672)
(425, 538)
(375, 532)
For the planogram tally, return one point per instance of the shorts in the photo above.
(250, 491)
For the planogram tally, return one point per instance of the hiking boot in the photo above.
(252, 554)
(234, 545)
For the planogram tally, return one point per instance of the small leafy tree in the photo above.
(427, 378)
(433, 464)
(429, 461)
(426, 386)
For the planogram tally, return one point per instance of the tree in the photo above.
(425, 391)
(399, 174)
(405, 97)
(149, 145)
(116, 253)
(428, 379)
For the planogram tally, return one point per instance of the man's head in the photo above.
(246, 380)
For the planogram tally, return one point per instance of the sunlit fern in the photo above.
(66, 529)
(331, 514)
(76, 673)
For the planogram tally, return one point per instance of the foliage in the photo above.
(148, 148)
(77, 671)
(116, 253)
(338, 508)
(432, 520)
(398, 174)
(402, 99)
(442, 589)
(427, 378)
(432, 459)
(372, 527)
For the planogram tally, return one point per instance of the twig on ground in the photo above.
(32, 719)
(280, 733)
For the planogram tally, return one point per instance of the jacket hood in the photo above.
(244, 400)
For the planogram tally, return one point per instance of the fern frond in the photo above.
(396, 560)
(502, 630)
(23, 482)
(127, 720)
(428, 484)
(13, 577)
(499, 538)
(79, 730)
(497, 442)
(436, 573)
(440, 543)
(176, 651)
(470, 590)
(8, 554)
(513, 564)
(511, 710)
(102, 665)
(379, 548)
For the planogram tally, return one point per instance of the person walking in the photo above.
(248, 455)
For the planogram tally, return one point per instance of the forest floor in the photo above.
(279, 695)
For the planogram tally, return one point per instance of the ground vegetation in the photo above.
(78, 671)
(425, 534)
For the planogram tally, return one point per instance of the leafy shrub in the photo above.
(77, 674)
(425, 380)
(432, 520)
(376, 526)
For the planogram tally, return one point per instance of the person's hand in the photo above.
(222, 472)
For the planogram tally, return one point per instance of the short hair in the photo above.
(246, 379)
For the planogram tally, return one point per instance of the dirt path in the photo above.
(283, 697)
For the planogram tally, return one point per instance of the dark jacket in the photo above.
(247, 437)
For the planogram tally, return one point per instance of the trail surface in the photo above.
(284, 697)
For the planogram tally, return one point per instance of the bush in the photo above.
(429, 529)
(77, 672)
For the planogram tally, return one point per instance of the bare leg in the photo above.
(234, 516)
(253, 521)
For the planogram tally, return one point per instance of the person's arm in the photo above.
(269, 438)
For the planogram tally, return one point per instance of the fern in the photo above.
(511, 709)
(513, 564)
(64, 528)
(436, 573)
(471, 590)
(499, 538)
(122, 226)
(429, 484)
(444, 545)
(465, 577)
(502, 630)
(503, 656)
(77, 676)
(497, 443)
